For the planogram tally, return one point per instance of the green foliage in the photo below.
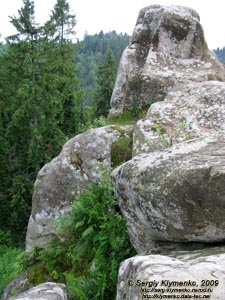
(161, 133)
(5, 239)
(121, 150)
(105, 80)
(92, 242)
(127, 117)
(96, 123)
(170, 134)
(38, 274)
(92, 52)
(11, 264)
(40, 105)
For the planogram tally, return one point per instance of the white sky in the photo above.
(120, 15)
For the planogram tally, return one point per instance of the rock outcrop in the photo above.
(186, 275)
(67, 175)
(167, 50)
(162, 193)
(195, 110)
(172, 191)
(44, 291)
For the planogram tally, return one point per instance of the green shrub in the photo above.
(91, 244)
(5, 239)
(11, 265)
(121, 150)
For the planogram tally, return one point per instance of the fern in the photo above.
(95, 243)
(11, 265)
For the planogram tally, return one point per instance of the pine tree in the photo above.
(106, 75)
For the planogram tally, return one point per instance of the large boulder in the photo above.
(175, 195)
(167, 50)
(195, 110)
(67, 175)
(44, 291)
(191, 275)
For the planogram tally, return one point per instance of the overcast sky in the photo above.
(120, 15)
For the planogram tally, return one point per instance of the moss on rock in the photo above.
(121, 150)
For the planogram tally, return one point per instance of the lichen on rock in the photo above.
(178, 273)
(196, 109)
(68, 174)
(162, 193)
(167, 49)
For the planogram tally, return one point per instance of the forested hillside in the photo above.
(92, 53)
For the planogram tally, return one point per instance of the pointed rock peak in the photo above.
(167, 50)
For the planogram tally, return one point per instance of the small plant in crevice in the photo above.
(121, 150)
(170, 134)
(92, 242)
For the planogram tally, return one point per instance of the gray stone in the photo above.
(179, 273)
(175, 195)
(45, 291)
(167, 49)
(65, 176)
(198, 109)
(18, 285)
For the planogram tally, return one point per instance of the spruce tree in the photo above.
(63, 22)
(106, 75)
(40, 99)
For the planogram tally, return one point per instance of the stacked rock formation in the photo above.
(172, 192)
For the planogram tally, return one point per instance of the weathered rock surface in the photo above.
(18, 285)
(173, 274)
(175, 195)
(65, 176)
(167, 50)
(197, 109)
(45, 291)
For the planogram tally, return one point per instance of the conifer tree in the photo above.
(40, 98)
(63, 23)
(106, 75)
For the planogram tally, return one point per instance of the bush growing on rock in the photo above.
(90, 245)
